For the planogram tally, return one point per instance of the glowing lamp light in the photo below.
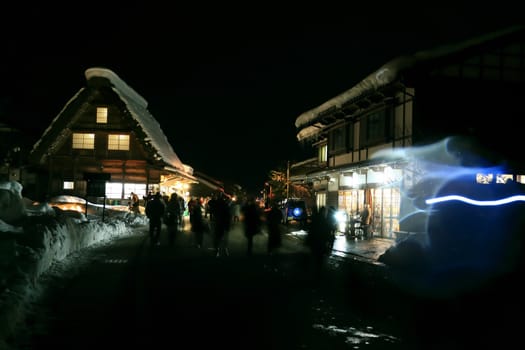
(297, 211)
(502, 201)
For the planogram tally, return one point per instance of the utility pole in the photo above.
(287, 180)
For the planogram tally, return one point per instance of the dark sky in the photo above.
(226, 83)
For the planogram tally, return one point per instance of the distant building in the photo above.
(456, 105)
(12, 153)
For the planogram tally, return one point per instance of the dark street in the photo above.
(130, 294)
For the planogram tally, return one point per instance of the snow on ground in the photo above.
(33, 236)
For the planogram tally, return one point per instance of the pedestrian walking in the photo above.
(172, 217)
(274, 218)
(320, 241)
(366, 220)
(197, 222)
(252, 222)
(221, 224)
(155, 212)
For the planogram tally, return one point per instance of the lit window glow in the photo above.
(102, 115)
(83, 141)
(323, 153)
(118, 142)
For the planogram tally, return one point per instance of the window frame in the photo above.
(102, 115)
(86, 141)
(119, 145)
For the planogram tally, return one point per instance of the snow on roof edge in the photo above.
(117, 82)
(50, 127)
(388, 72)
(155, 135)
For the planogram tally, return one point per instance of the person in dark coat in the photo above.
(221, 224)
(252, 222)
(274, 218)
(366, 219)
(319, 240)
(197, 222)
(172, 217)
(155, 212)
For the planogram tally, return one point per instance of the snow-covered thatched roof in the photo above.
(385, 75)
(138, 109)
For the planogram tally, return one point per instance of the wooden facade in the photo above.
(468, 92)
(144, 157)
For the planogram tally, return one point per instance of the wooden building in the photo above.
(105, 142)
(454, 106)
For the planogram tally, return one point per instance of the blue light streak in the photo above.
(476, 202)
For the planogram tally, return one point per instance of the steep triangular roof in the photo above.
(136, 105)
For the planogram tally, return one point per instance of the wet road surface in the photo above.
(130, 294)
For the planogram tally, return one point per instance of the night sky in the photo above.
(226, 83)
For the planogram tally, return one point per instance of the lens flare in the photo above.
(497, 202)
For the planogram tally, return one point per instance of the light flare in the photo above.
(496, 202)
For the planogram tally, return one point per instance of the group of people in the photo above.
(223, 213)
(169, 212)
(217, 220)
(321, 229)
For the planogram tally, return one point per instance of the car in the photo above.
(295, 210)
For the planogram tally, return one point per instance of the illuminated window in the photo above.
(139, 189)
(118, 142)
(83, 141)
(323, 153)
(321, 200)
(102, 115)
(113, 189)
(69, 185)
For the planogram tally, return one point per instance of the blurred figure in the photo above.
(274, 218)
(366, 219)
(221, 224)
(134, 203)
(319, 240)
(252, 222)
(332, 220)
(197, 222)
(210, 206)
(155, 212)
(235, 211)
(172, 217)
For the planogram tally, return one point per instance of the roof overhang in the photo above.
(178, 175)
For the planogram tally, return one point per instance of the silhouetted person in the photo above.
(252, 222)
(332, 220)
(172, 217)
(319, 240)
(155, 212)
(208, 208)
(220, 212)
(366, 219)
(274, 218)
(197, 222)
